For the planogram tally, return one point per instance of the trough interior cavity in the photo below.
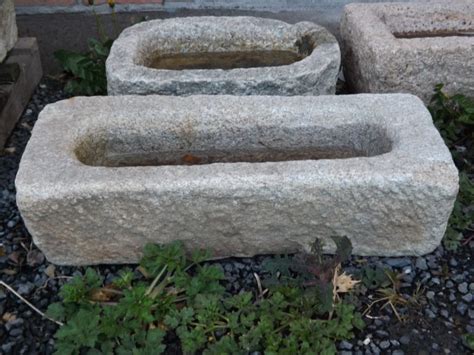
(191, 146)
(429, 24)
(232, 59)
(436, 33)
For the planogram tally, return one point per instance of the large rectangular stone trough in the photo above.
(240, 175)
(223, 55)
(409, 48)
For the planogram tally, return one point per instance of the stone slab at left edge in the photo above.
(26, 55)
(8, 29)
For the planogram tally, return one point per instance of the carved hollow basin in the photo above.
(240, 175)
(223, 55)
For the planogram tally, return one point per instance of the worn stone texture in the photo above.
(316, 74)
(378, 56)
(94, 193)
(8, 29)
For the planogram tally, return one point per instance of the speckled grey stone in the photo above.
(378, 59)
(94, 193)
(129, 71)
(8, 29)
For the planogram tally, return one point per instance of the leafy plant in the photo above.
(389, 295)
(468, 341)
(462, 216)
(454, 117)
(374, 277)
(86, 71)
(317, 273)
(179, 294)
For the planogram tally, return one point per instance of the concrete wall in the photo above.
(67, 24)
(52, 6)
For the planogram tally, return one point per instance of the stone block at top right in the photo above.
(409, 48)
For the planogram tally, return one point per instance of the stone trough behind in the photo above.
(223, 55)
(238, 175)
(409, 48)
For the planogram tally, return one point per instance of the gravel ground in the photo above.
(440, 285)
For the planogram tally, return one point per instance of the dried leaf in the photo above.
(17, 257)
(344, 283)
(34, 258)
(2, 251)
(190, 159)
(143, 272)
(100, 295)
(50, 271)
(9, 272)
(27, 126)
(6, 317)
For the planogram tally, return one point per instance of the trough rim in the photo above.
(417, 146)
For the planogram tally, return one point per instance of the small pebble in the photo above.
(15, 332)
(345, 345)
(7, 348)
(25, 288)
(15, 323)
(405, 340)
(398, 262)
(444, 313)
(375, 349)
(421, 264)
(429, 313)
(384, 344)
(458, 278)
(395, 342)
(462, 287)
(461, 308)
(470, 313)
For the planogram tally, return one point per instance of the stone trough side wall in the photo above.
(240, 175)
(409, 48)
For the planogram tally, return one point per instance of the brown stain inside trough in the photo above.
(225, 60)
(430, 34)
(211, 157)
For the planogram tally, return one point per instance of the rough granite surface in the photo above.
(8, 29)
(409, 48)
(128, 70)
(94, 193)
